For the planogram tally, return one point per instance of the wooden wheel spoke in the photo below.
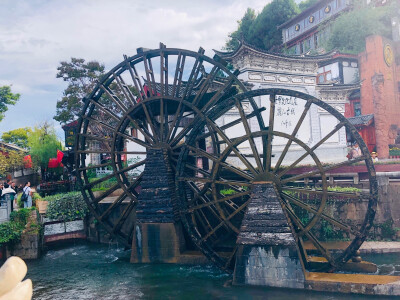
(225, 221)
(110, 152)
(112, 206)
(205, 85)
(150, 118)
(142, 130)
(114, 98)
(162, 120)
(121, 220)
(104, 109)
(148, 66)
(311, 236)
(325, 169)
(180, 65)
(94, 137)
(234, 149)
(194, 168)
(312, 149)
(233, 123)
(197, 66)
(133, 139)
(230, 197)
(175, 122)
(250, 137)
(184, 131)
(208, 180)
(215, 159)
(163, 72)
(135, 78)
(268, 151)
(106, 193)
(123, 87)
(355, 195)
(293, 135)
(322, 215)
(104, 178)
(91, 167)
(229, 260)
(99, 123)
(122, 197)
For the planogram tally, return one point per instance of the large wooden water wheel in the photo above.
(149, 101)
(301, 167)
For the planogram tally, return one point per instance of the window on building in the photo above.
(134, 132)
(357, 109)
(316, 41)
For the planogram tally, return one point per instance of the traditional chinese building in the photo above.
(331, 77)
(305, 31)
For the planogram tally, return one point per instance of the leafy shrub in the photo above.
(227, 192)
(66, 207)
(102, 186)
(10, 232)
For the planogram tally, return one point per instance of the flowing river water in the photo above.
(81, 270)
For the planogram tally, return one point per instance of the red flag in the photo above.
(27, 162)
(60, 155)
(53, 163)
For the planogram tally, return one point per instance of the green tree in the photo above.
(264, 32)
(17, 137)
(242, 33)
(10, 160)
(43, 143)
(6, 98)
(303, 5)
(349, 30)
(81, 77)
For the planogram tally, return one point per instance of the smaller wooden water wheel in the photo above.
(300, 166)
(148, 102)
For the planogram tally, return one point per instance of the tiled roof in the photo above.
(243, 44)
(361, 120)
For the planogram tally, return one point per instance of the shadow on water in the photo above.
(83, 270)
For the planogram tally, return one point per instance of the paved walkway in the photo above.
(367, 247)
(380, 247)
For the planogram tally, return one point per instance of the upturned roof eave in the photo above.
(243, 45)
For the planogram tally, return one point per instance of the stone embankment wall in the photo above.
(29, 247)
(353, 211)
(30, 244)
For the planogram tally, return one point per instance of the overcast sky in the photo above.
(35, 35)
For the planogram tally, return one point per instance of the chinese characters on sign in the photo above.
(286, 108)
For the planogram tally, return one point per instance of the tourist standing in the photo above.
(374, 156)
(28, 192)
(355, 151)
(11, 194)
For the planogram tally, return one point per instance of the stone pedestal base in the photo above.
(157, 243)
(275, 266)
(267, 253)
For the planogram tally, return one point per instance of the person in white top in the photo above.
(9, 191)
(28, 191)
